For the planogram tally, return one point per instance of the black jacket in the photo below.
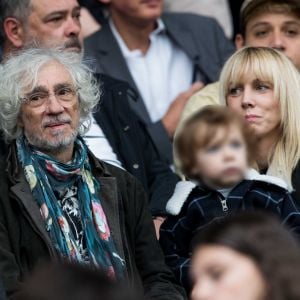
(24, 241)
(131, 142)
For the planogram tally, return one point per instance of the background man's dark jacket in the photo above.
(131, 142)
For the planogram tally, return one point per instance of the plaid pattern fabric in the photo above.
(204, 206)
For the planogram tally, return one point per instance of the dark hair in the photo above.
(262, 238)
(200, 129)
(253, 8)
(66, 281)
(18, 9)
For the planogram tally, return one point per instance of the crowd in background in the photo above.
(149, 149)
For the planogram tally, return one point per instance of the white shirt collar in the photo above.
(134, 53)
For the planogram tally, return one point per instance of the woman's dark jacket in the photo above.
(24, 241)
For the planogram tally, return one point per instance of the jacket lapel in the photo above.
(110, 61)
(23, 195)
(184, 38)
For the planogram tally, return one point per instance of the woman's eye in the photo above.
(262, 87)
(234, 91)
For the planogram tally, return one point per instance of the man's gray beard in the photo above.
(59, 145)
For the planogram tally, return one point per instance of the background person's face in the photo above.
(54, 125)
(254, 100)
(223, 162)
(54, 23)
(220, 273)
(137, 10)
(279, 31)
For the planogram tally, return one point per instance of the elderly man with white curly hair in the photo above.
(57, 201)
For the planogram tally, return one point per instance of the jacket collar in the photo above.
(184, 188)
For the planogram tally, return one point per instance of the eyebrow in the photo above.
(268, 24)
(38, 89)
(62, 85)
(61, 12)
(292, 23)
(57, 86)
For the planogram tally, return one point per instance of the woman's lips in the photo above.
(251, 118)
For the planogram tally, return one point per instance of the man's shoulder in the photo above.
(188, 19)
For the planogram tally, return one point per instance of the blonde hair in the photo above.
(269, 65)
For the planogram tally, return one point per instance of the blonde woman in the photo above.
(263, 86)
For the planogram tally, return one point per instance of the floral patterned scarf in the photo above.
(42, 173)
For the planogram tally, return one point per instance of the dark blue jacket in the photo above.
(204, 206)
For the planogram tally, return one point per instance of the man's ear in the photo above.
(239, 41)
(14, 31)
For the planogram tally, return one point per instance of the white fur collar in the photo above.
(254, 175)
(181, 192)
(184, 188)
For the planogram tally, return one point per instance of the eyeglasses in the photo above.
(65, 95)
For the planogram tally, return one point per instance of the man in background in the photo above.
(166, 57)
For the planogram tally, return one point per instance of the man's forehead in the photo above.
(272, 18)
(50, 74)
(50, 6)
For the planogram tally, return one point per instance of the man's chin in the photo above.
(53, 144)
